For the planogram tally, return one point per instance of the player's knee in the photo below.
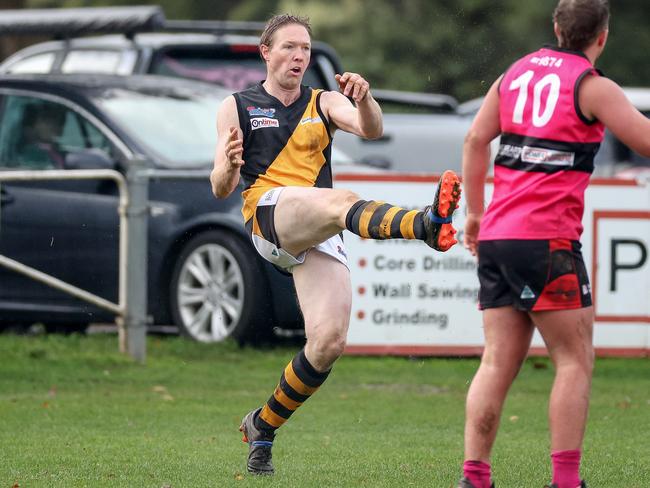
(498, 360)
(578, 360)
(349, 197)
(338, 205)
(343, 199)
(336, 347)
(584, 355)
(330, 346)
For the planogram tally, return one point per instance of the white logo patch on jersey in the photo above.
(540, 155)
(310, 120)
(262, 122)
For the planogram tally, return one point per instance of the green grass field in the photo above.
(74, 412)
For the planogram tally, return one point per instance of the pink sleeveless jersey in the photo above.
(546, 151)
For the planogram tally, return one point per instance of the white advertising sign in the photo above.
(409, 299)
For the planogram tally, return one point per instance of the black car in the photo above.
(203, 273)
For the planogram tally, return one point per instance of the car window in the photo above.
(234, 70)
(37, 134)
(38, 63)
(619, 156)
(176, 125)
(99, 61)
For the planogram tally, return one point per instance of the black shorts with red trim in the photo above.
(532, 275)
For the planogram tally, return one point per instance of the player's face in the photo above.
(289, 55)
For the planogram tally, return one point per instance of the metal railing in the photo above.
(131, 309)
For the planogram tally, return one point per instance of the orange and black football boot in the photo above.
(437, 217)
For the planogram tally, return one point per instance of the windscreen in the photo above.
(176, 125)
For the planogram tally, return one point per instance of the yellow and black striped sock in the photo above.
(378, 220)
(297, 383)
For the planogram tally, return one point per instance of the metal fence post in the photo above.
(133, 263)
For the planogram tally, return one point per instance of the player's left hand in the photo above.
(353, 85)
(470, 237)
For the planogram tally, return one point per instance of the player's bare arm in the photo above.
(364, 120)
(602, 99)
(228, 158)
(476, 160)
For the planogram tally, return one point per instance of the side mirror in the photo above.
(376, 161)
(89, 159)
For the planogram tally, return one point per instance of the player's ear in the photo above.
(558, 33)
(264, 52)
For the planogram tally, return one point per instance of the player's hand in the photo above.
(234, 148)
(353, 85)
(470, 238)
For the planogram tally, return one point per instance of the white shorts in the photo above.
(266, 241)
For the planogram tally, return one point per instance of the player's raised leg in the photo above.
(322, 213)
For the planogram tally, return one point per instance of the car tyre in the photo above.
(218, 290)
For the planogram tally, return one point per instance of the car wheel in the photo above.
(218, 290)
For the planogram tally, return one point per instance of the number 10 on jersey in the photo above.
(540, 119)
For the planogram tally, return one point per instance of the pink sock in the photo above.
(478, 473)
(566, 468)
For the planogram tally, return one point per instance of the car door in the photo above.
(68, 229)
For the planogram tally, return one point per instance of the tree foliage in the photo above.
(460, 47)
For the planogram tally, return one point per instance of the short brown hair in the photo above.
(580, 22)
(281, 20)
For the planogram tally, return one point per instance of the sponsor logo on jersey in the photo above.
(264, 112)
(510, 151)
(537, 155)
(540, 155)
(261, 123)
(310, 120)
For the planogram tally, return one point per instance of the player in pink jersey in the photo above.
(550, 109)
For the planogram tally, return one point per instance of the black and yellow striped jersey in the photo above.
(283, 146)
